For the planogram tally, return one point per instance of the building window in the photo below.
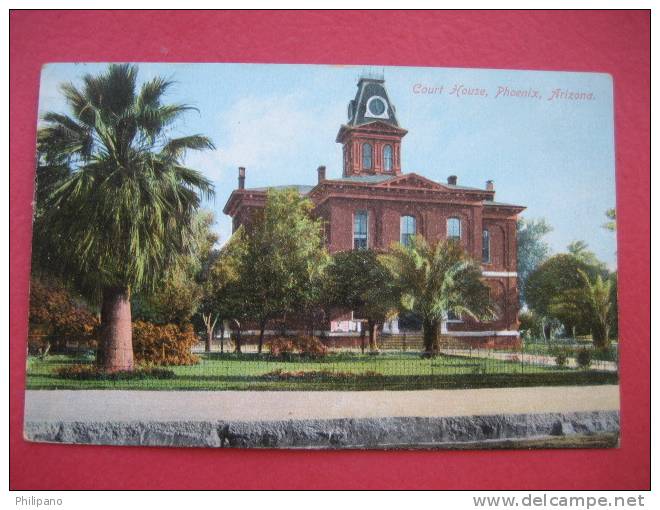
(408, 229)
(485, 247)
(453, 317)
(387, 158)
(367, 156)
(360, 230)
(453, 228)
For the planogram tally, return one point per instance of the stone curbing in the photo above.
(371, 433)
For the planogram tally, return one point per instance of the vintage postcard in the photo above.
(308, 256)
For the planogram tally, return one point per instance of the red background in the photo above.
(612, 42)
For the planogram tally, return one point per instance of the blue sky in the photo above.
(556, 157)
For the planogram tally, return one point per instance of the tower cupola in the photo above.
(371, 136)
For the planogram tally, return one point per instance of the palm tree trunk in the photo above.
(600, 335)
(116, 329)
(430, 332)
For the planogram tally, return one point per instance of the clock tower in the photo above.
(371, 137)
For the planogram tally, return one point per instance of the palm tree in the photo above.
(611, 224)
(598, 296)
(592, 302)
(434, 281)
(121, 214)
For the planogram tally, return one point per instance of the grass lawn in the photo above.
(345, 371)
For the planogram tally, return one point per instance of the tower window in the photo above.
(360, 230)
(408, 229)
(453, 228)
(387, 158)
(367, 156)
(485, 247)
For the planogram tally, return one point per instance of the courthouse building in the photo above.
(375, 203)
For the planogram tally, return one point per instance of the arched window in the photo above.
(367, 156)
(453, 228)
(360, 230)
(485, 247)
(387, 158)
(408, 229)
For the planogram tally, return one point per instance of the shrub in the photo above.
(281, 347)
(606, 354)
(584, 357)
(308, 346)
(58, 318)
(96, 373)
(38, 340)
(311, 346)
(561, 358)
(168, 344)
(312, 375)
(530, 324)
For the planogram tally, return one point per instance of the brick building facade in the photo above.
(375, 204)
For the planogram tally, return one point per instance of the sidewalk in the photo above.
(127, 406)
(528, 358)
(483, 418)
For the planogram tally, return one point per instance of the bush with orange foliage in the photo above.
(57, 319)
(304, 345)
(166, 344)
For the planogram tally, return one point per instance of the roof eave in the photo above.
(344, 128)
(511, 208)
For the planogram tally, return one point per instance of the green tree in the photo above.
(433, 281)
(591, 302)
(531, 324)
(178, 296)
(579, 249)
(358, 281)
(611, 216)
(122, 213)
(571, 309)
(532, 249)
(284, 259)
(219, 282)
(614, 299)
(560, 276)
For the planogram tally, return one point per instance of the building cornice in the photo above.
(375, 128)
(343, 189)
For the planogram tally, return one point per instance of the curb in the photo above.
(371, 433)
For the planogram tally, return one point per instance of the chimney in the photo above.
(452, 179)
(321, 172)
(490, 185)
(241, 177)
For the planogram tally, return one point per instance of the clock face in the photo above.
(376, 106)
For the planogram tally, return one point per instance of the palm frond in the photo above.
(176, 148)
(126, 214)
